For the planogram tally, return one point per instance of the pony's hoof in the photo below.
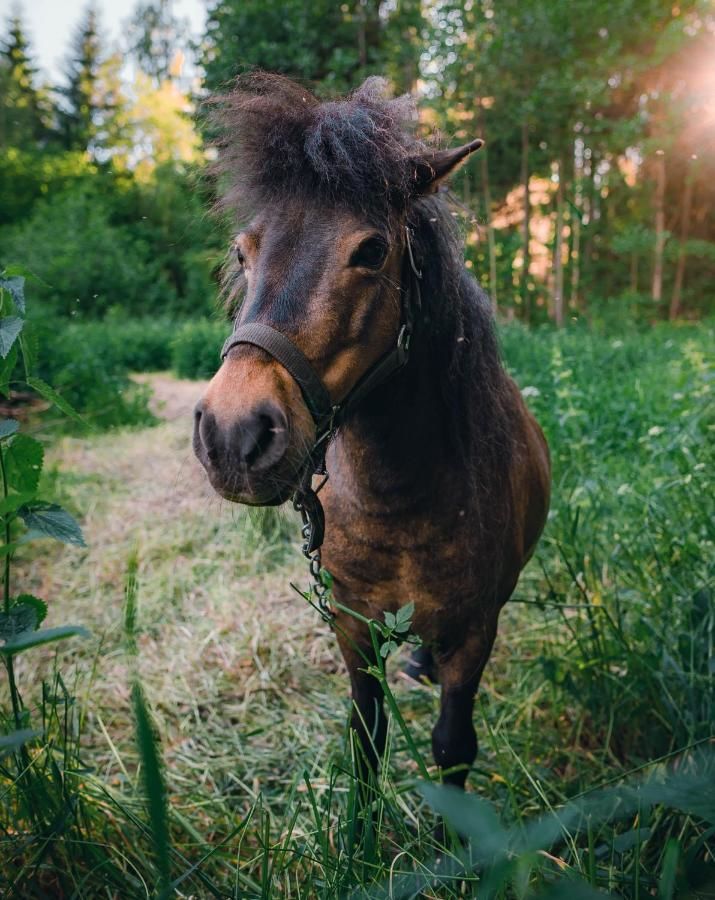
(420, 666)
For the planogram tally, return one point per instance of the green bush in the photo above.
(90, 361)
(103, 394)
(196, 348)
(627, 555)
(89, 371)
(133, 345)
(84, 263)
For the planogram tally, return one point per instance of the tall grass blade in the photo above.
(154, 785)
(147, 739)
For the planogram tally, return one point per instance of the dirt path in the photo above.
(221, 630)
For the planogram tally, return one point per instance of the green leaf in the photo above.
(387, 648)
(390, 620)
(669, 871)
(16, 287)
(8, 427)
(13, 741)
(405, 613)
(575, 210)
(572, 889)
(6, 549)
(20, 619)
(471, 816)
(29, 639)
(23, 460)
(10, 327)
(130, 605)
(35, 603)
(26, 614)
(51, 395)
(326, 579)
(50, 520)
(16, 269)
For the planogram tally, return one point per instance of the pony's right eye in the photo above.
(240, 257)
(371, 254)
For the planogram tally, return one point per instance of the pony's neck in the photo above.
(399, 438)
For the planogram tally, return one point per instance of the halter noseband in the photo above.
(326, 415)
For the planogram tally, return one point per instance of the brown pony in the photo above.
(439, 476)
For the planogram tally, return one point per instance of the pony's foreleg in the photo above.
(454, 740)
(368, 725)
(368, 719)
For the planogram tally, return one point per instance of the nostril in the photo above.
(256, 441)
(206, 433)
(261, 438)
(198, 412)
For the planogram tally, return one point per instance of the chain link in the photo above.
(319, 588)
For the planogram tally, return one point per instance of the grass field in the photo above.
(602, 673)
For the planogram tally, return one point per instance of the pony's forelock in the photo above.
(277, 140)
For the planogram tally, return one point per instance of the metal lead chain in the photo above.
(320, 589)
(306, 502)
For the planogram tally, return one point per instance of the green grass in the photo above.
(602, 675)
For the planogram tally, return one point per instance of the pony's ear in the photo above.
(432, 169)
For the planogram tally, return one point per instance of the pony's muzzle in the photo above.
(241, 453)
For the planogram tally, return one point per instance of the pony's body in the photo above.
(439, 480)
(403, 526)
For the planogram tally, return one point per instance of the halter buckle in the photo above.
(403, 343)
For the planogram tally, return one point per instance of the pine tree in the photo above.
(156, 36)
(82, 107)
(23, 108)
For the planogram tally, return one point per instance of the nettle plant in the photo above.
(24, 515)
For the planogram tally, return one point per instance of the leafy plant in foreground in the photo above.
(37, 806)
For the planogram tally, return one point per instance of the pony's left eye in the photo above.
(371, 254)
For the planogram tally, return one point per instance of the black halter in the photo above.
(328, 416)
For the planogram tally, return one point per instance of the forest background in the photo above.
(592, 200)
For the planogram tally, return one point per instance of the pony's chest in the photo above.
(385, 558)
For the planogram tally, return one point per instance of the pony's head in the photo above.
(321, 192)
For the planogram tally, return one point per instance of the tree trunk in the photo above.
(657, 290)
(524, 286)
(684, 232)
(558, 251)
(575, 261)
(575, 255)
(589, 207)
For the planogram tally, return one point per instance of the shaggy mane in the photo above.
(277, 139)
